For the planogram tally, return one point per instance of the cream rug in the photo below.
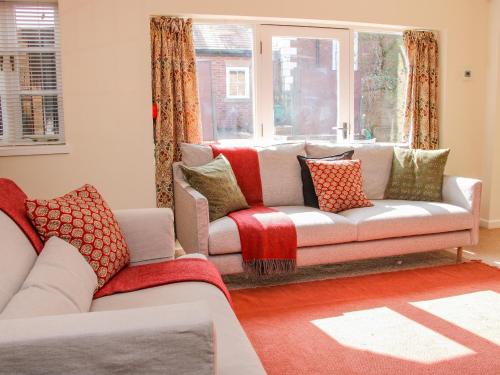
(354, 268)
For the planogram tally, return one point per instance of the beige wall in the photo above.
(107, 90)
(491, 153)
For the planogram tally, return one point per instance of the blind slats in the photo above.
(30, 78)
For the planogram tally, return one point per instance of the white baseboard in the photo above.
(489, 224)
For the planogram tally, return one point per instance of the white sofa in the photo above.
(182, 328)
(390, 227)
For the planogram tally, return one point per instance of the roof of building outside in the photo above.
(222, 37)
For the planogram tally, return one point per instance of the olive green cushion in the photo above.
(417, 175)
(217, 182)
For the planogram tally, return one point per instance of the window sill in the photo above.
(34, 150)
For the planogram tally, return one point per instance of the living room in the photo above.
(137, 106)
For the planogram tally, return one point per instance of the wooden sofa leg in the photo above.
(460, 252)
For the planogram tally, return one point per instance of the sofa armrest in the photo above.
(151, 340)
(149, 233)
(465, 192)
(191, 217)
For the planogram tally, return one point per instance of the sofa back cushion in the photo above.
(376, 161)
(279, 170)
(18, 257)
(60, 282)
(196, 155)
(280, 174)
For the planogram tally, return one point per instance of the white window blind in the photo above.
(30, 75)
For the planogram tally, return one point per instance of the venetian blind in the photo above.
(30, 75)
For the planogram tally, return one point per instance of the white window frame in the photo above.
(266, 32)
(246, 71)
(12, 116)
(261, 133)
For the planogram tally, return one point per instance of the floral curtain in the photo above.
(175, 94)
(421, 127)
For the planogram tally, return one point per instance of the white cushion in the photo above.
(60, 282)
(314, 227)
(279, 170)
(235, 354)
(194, 155)
(280, 174)
(18, 257)
(398, 218)
(376, 163)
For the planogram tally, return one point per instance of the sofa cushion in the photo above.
(60, 282)
(417, 175)
(18, 257)
(84, 219)
(280, 174)
(194, 155)
(338, 184)
(376, 162)
(235, 354)
(398, 218)
(217, 182)
(279, 170)
(314, 227)
(310, 197)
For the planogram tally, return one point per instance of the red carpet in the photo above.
(441, 320)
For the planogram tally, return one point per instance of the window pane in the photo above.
(40, 117)
(305, 87)
(379, 86)
(226, 107)
(37, 71)
(30, 80)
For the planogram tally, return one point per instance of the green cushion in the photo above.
(217, 182)
(417, 175)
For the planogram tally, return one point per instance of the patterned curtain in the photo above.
(175, 93)
(421, 127)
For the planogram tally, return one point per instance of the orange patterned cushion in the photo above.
(83, 219)
(338, 184)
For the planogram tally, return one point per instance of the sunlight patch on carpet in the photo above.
(386, 332)
(477, 312)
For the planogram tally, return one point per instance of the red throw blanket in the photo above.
(12, 204)
(268, 236)
(172, 271)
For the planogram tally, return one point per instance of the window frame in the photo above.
(246, 71)
(11, 113)
(266, 32)
(260, 135)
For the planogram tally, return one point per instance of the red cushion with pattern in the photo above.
(83, 219)
(338, 184)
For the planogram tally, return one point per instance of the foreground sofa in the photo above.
(183, 328)
(390, 227)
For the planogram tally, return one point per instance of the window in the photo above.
(224, 61)
(318, 83)
(380, 72)
(30, 80)
(237, 83)
(309, 98)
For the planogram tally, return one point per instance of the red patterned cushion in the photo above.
(338, 184)
(83, 219)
